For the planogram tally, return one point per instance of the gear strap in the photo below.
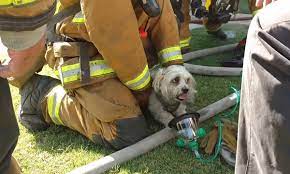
(84, 62)
(72, 10)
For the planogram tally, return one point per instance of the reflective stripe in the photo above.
(184, 45)
(141, 81)
(255, 12)
(185, 42)
(71, 73)
(207, 4)
(58, 5)
(53, 102)
(170, 54)
(79, 18)
(15, 2)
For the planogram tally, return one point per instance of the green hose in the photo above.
(229, 114)
(202, 159)
(199, 157)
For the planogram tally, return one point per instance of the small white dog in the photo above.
(174, 89)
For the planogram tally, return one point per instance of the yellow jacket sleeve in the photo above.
(113, 28)
(165, 36)
(29, 9)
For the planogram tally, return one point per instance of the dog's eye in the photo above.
(187, 80)
(175, 80)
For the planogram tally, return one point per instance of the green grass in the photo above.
(59, 150)
(243, 7)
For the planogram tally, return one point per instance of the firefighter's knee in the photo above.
(128, 132)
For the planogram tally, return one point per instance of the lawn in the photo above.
(59, 150)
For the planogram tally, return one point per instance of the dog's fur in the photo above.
(174, 89)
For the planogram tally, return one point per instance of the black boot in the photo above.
(218, 34)
(185, 50)
(233, 62)
(32, 94)
(236, 61)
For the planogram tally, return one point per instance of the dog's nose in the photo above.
(185, 90)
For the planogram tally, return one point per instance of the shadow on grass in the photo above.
(201, 39)
(58, 139)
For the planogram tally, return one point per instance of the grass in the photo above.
(59, 150)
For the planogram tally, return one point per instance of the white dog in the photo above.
(174, 89)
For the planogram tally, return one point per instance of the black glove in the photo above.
(200, 12)
(223, 18)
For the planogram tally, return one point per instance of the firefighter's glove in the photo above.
(200, 12)
(208, 143)
(230, 136)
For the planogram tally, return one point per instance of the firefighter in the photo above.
(102, 69)
(237, 60)
(9, 131)
(20, 31)
(214, 15)
(182, 9)
(263, 132)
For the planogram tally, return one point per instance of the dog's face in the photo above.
(175, 84)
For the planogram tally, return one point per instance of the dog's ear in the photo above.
(157, 78)
(194, 85)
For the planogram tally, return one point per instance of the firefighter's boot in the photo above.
(32, 93)
(218, 34)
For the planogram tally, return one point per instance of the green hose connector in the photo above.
(180, 143)
(193, 145)
(201, 133)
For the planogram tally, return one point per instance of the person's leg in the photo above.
(252, 7)
(14, 167)
(106, 112)
(213, 27)
(36, 66)
(8, 127)
(184, 33)
(264, 120)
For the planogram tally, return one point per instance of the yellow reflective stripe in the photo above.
(58, 5)
(15, 2)
(255, 12)
(71, 73)
(70, 67)
(79, 18)
(184, 41)
(176, 57)
(184, 45)
(102, 72)
(140, 81)
(207, 4)
(170, 54)
(168, 50)
(71, 79)
(53, 102)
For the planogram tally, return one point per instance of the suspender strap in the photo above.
(84, 62)
(72, 10)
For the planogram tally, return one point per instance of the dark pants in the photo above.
(264, 121)
(8, 127)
